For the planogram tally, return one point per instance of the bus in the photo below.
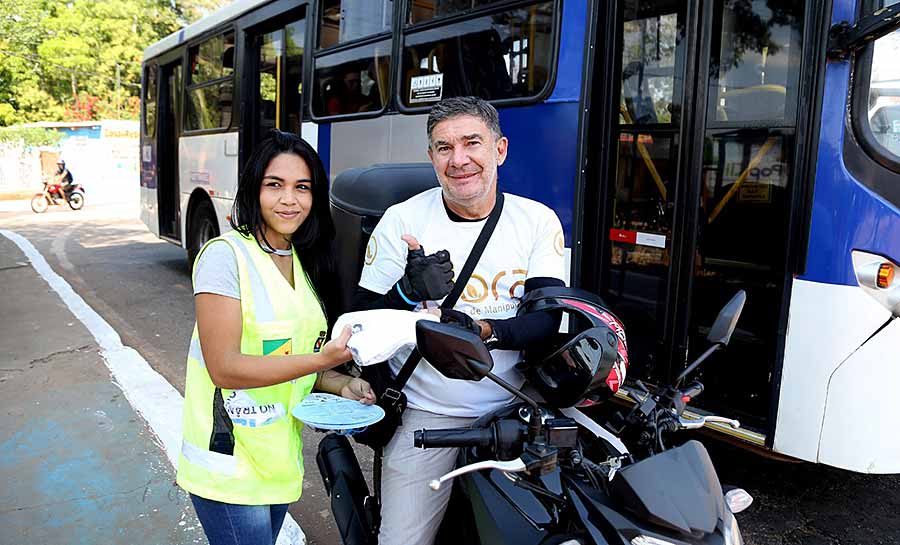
(691, 149)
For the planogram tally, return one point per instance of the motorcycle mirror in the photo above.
(723, 327)
(454, 352)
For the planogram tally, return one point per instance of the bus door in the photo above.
(167, 151)
(689, 196)
(275, 61)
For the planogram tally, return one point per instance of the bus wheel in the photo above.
(202, 229)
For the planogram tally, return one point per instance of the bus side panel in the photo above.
(826, 324)
(209, 163)
(859, 432)
(149, 212)
(309, 131)
(831, 316)
(542, 162)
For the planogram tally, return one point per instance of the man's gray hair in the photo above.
(456, 106)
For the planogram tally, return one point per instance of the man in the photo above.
(63, 177)
(466, 147)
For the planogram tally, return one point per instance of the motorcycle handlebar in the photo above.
(454, 437)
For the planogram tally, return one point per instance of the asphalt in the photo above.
(79, 464)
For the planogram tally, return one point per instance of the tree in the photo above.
(80, 59)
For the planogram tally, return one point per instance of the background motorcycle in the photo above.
(532, 474)
(53, 194)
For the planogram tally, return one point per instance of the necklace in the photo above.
(277, 251)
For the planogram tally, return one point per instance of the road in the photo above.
(142, 287)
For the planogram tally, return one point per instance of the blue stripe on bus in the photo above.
(846, 215)
(324, 146)
(541, 164)
(571, 52)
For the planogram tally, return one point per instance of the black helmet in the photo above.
(589, 362)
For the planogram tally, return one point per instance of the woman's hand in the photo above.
(359, 390)
(335, 351)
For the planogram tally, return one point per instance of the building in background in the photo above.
(102, 156)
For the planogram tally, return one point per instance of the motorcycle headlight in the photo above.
(731, 532)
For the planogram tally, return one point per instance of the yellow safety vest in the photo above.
(266, 465)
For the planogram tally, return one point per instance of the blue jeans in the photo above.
(231, 524)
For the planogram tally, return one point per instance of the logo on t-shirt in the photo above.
(371, 250)
(498, 297)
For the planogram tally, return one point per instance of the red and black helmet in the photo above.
(587, 363)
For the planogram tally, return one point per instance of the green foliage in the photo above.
(29, 136)
(81, 59)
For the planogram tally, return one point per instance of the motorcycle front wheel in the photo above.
(76, 200)
(39, 203)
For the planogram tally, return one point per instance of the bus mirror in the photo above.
(723, 327)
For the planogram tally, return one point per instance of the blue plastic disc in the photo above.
(331, 412)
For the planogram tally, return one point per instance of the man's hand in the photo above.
(428, 277)
(359, 390)
(460, 319)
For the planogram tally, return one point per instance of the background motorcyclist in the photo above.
(63, 177)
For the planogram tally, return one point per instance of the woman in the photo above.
(261, 293)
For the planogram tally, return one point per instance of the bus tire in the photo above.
(203, 228)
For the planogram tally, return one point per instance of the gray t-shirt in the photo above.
(217, 272)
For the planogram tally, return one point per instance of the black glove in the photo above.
(428, 277)
(461, 320)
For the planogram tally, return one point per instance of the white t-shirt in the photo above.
(527, 243)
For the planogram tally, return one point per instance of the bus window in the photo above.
(347, 20)
(208, 60)
(505, 55)
(649, 74)
(755, 72)
(352, 81)
(270, 66)
(294, 40)
(211, 89)
(150, 73)
(884, 95)
(426, 10)
(279, 81)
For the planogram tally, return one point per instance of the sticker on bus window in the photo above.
(426, 88)
(637, 238)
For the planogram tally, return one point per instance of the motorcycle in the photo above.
(531, 473)
(55, 195)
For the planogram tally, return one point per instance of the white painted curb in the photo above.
(149, 393)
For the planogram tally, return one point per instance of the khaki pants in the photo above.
(411, 512)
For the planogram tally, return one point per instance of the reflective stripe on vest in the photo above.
(266, 466)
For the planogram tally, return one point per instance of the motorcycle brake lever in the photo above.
(512, 466)
(692, 424)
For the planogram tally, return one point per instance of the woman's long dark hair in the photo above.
(313, 241)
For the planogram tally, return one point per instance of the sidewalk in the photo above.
(79, 465)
